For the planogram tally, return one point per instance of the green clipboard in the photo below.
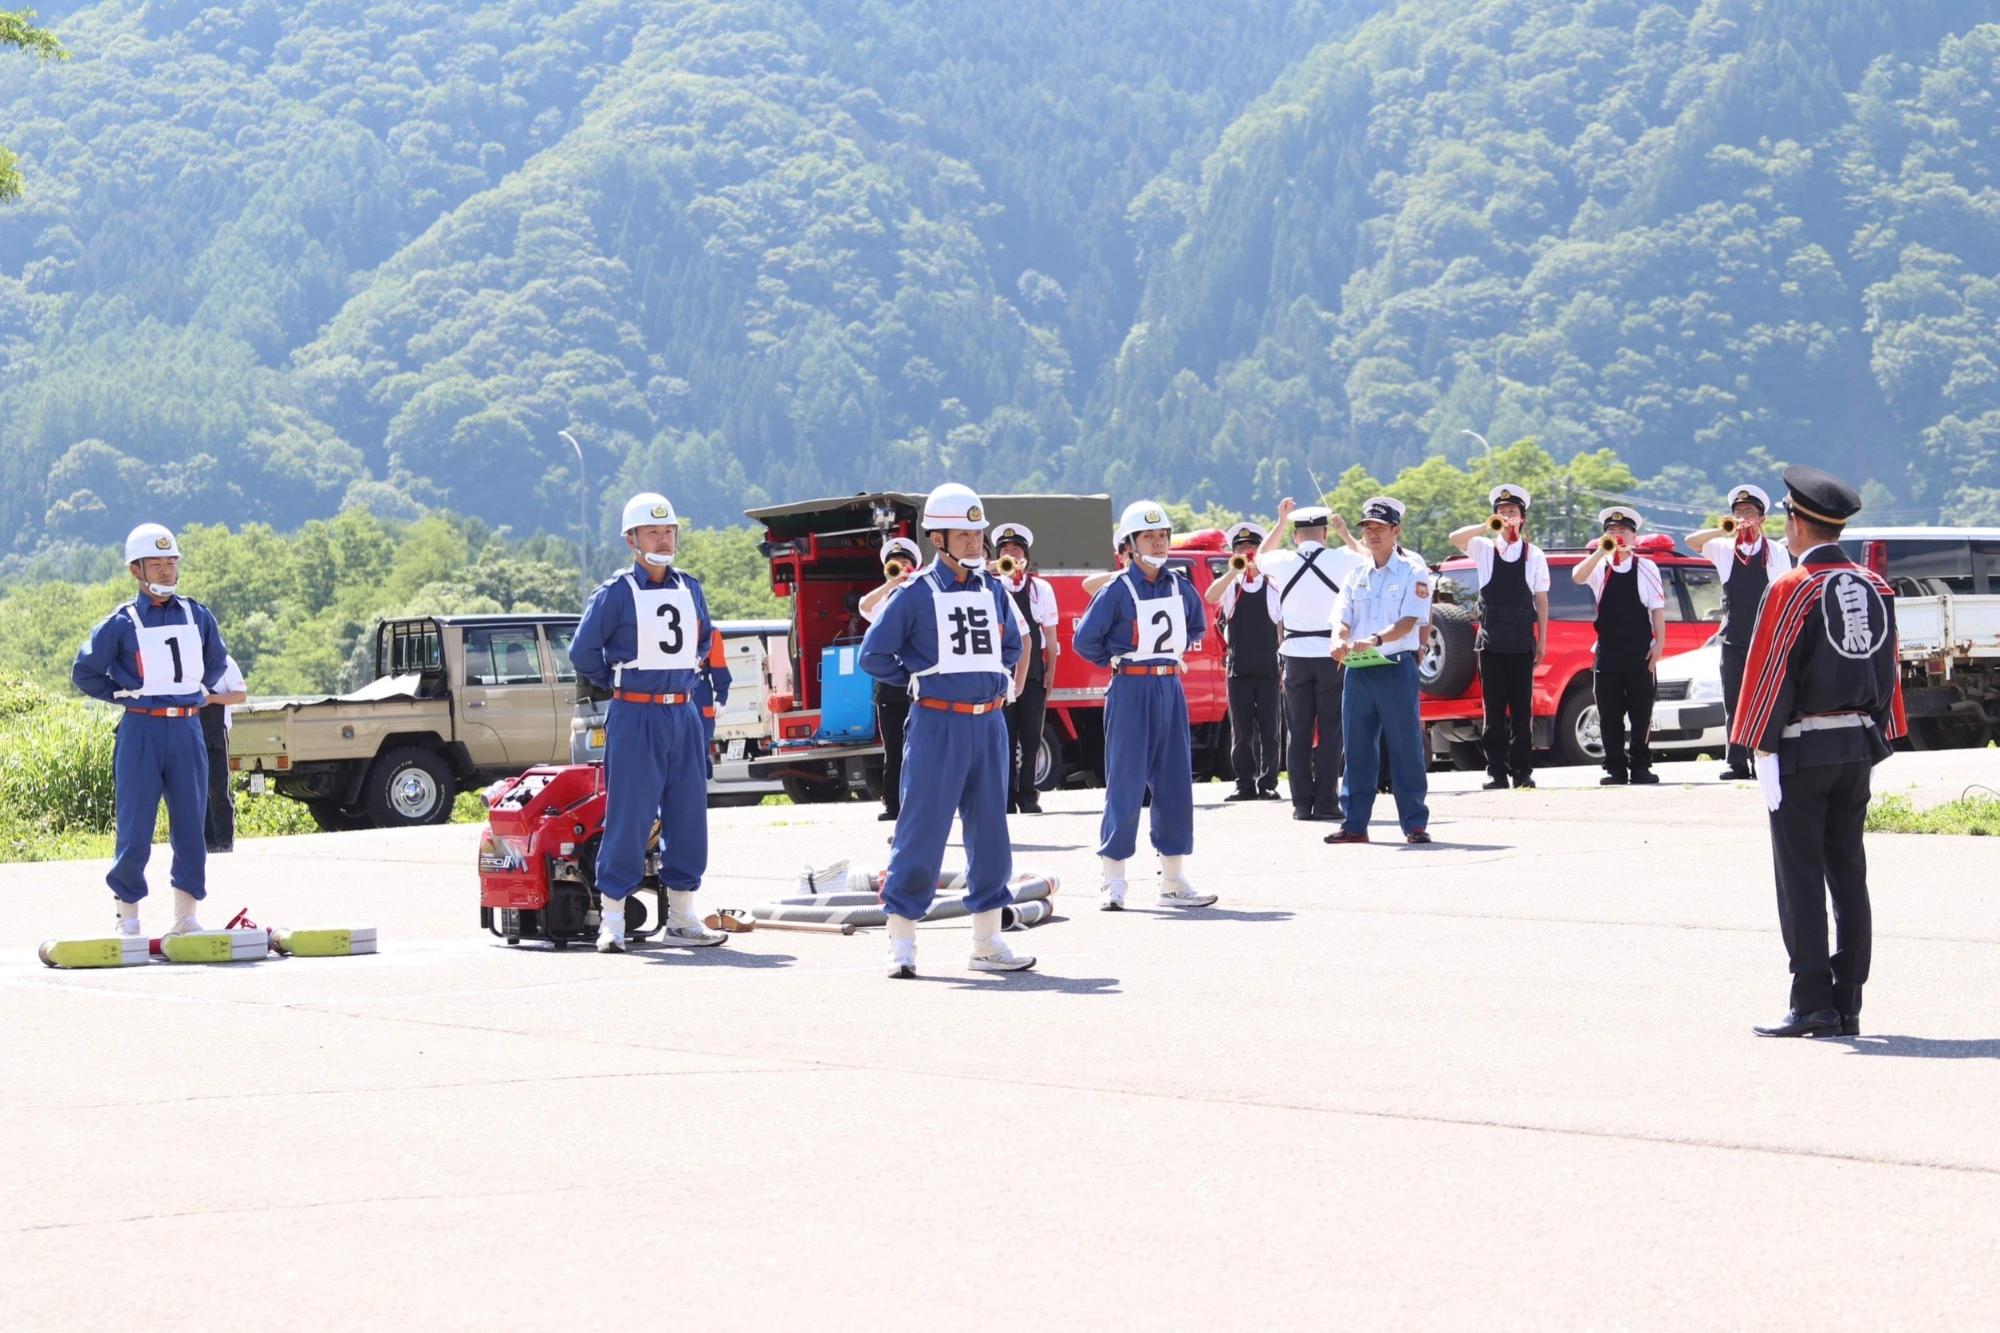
(1367, 657)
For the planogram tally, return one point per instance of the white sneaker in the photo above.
(611, 926)
(187, 925)
(129, 928)
(1111, 895)
(1180, 893)
(993, 955)
(902, 960)
(683, 926)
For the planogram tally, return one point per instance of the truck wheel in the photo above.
(407, 786)
(803, 792)
(1445, 658)
(332, 818)
(1050, 765)
(1578, 740)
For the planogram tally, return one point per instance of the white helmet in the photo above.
(149, 540)
(649, 507)
(1142, 516)
(954, 508)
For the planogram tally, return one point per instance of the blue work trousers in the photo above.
(155, 757)
(1380, 704)
(953, 764)
(1147, 746)
(655, 767)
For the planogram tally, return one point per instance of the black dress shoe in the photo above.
(1269, 794)
(886, 816)
(1524, 783)
(1030, 807)
(1850, 1025)
(1735, 774)
(1304, 816)
(1613, 780)
(1416, 837)
(1818, 1023)
(1241, 794)
(1494, 784)
(1646, 779)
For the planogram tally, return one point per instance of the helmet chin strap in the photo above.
(162, 590)
(656, 560)
(1152, 561)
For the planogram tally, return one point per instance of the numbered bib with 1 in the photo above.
(169, 655)
(669, 629)
(968, 632)
(1162, 624)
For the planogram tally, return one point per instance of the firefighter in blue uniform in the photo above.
(1822, 704)
(1140, 625)
(158, 657)
(1747, 563)
(949, 637)
(655, 743)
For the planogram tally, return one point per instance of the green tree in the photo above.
(17, 29)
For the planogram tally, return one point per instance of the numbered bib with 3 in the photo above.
(669, 630)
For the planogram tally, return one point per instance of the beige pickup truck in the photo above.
(456, 702)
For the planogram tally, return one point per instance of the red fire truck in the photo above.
(825, 554)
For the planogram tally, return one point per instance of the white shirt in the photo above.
(1041, 602)
(1373, 600)
(1235, 592)
(1652, 593)
(1307, 609)
(871, 614)
(232, 681)
(1484, 550)
(1721, 552)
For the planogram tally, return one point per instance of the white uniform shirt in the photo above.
(1246, 587)
(871, 614)
(1373, 600)
(1485, 550)
(1652, 592)
(232, 681)
(1041, 603)
(1721, 552)
(1307, 609)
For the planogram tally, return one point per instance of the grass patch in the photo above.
(1976, 816)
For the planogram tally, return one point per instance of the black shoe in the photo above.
(1241, 794)
(1735, 773)
(1304, 816)
(1524, 783)
(1818, 1023)
(1646, 779)
(903, 972)
(1269, 794)
(1416, 837)
(887, 816)
(1494, 784)
(1613, 780)
(1030, 807)
(1850, 1025)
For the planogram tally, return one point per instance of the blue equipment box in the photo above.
(846, 695)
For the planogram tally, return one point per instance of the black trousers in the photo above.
(1816, 845)
(1733, 662)
(1312, 704)
(1253, 732)
(892, 713)
(219, 831)
(1024, 737)
(1507, 684)
(1625, 709)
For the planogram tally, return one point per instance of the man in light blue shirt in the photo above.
(1378, 622)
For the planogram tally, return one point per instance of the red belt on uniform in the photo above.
(1166, 669)
(947, 706)
(628, 697)
(164, 712)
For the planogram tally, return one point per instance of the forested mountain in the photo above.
(274, 259)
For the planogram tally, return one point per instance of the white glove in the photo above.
(1768, 780)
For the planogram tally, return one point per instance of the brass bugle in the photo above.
(892, 568)
(1239, 563)
(1607, 544)
(1496, 523)
(1728, 526)
(1006, 564)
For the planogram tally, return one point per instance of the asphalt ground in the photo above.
(1504, 1081)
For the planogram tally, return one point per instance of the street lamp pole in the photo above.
(1484, 447)
(582, 511)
